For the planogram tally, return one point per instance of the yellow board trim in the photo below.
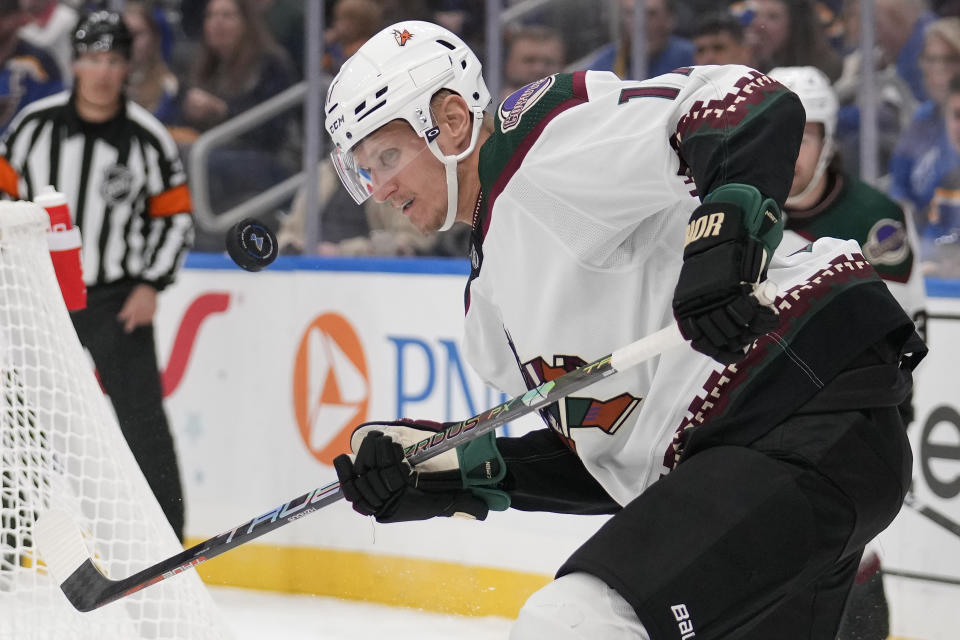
(445, 587)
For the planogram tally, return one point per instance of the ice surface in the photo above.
(254, 615)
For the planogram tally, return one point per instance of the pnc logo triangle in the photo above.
(257, 240)
(331, 388)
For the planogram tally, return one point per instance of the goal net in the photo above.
(60, 445)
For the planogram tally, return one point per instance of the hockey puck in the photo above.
(251, 244)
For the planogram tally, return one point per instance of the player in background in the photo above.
(126, 188)
(826, 202)
(745, 474)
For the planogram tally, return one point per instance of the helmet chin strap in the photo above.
(450, 164)
(818, 175)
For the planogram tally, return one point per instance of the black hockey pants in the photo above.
(761, 541)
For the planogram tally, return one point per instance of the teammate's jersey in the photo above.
(853, 209)
(578, 243)
(123, 180)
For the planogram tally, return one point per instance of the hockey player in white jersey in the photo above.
(745, 474)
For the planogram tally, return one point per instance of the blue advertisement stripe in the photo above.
(943, 287)
(936, 287)
(436, 266)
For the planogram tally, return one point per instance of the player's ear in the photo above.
(455, 121)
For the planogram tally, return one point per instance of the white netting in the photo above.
(60, 445)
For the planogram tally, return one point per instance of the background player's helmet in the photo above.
(816, 94)
(102, 31)
(820, 102)
(393, 76)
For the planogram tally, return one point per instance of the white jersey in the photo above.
(578, 247)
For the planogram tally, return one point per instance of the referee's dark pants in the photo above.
(127, 363)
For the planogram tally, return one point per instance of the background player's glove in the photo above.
(378, 481)
(730, 239)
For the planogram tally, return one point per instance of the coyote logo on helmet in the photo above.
(402, 36)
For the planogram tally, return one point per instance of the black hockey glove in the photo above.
(730, 240)
(378, 481)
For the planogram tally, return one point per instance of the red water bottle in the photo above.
(64, 242)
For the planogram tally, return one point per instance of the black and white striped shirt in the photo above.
(123, 180)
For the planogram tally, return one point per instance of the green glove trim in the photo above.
(761, 216)
(482, 468)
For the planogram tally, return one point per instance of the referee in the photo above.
(123, 179)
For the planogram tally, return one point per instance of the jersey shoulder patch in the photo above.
(524, 99)
(883, 229)
(868, 216)
(522, 110)
(521, 118)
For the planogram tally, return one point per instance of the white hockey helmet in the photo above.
(393, 76)
(820, 102)
(816, 94)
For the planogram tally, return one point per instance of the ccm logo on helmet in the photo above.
(704, 227)
(336, 124)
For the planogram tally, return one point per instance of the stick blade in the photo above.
(60, 542)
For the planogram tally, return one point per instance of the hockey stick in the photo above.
(931, 514)
(61, 544)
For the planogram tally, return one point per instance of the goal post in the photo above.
(60, 446)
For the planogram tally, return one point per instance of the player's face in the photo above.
(810, 148)
(100, 76)
(405, 173)
(719, 48)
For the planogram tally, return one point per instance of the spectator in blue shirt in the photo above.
(665, 51)
(895, 100)
(940, 240)
(900, 27)
(27, 73)
(923, 156)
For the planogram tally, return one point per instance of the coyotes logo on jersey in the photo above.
(572, 412)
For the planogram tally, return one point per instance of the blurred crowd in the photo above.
(198, 63)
